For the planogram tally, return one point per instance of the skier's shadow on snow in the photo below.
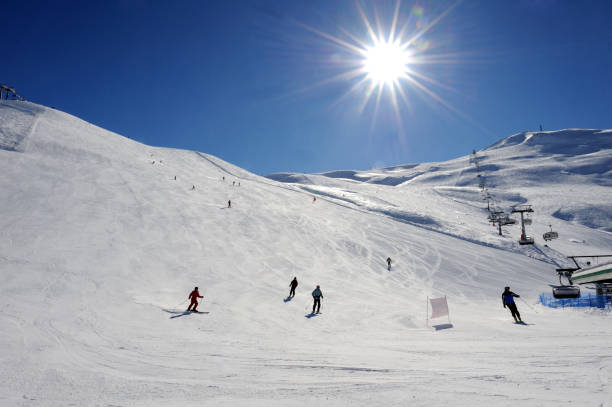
(310, 315)
(181, 314)
(177, 314)
(288, 299)
(442, 326)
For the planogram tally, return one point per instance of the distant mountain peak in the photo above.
(566, 142)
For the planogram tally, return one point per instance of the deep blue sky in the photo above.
(237, 79)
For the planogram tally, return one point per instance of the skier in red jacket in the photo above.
(195, 294)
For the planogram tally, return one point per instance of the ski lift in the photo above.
(600, 275)
(563, 290)
(524, 240)
(566, 291)
(495, 216)
(550, 235)
(498, 216)
(522, 209)
(507, 220)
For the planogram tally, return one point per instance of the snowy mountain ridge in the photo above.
(102, 238)
(561, 145)
(564, 174)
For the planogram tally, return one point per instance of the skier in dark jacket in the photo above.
(195, 294)
(508, 300)
(293, 286)
(317, 295)
(389, 263)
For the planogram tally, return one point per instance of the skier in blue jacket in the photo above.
(508, 300)
(317, 295)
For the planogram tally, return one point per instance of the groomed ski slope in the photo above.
(100, 245)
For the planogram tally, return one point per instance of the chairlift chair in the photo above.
(566, 291)
(507, 221)
(550, 235)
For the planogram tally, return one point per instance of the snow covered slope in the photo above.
(100, 245)
(565, 175)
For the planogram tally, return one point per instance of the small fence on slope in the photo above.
(584, 301)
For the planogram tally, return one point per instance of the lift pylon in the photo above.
(522, 209)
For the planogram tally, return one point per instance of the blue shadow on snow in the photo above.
(181, 314)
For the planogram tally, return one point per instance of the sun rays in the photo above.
(388, 60)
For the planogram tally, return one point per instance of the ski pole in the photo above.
(526, 303)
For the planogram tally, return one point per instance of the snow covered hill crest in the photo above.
(565, 146)
(565, 174)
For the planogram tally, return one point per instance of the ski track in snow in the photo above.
(99, 244)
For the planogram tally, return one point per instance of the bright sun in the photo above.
(389, 60)
(386, 62)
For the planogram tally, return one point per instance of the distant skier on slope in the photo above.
(229, 203)
(317, 295)
(389, 263)
(195, 294)
(508, 300)
(293, 286)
